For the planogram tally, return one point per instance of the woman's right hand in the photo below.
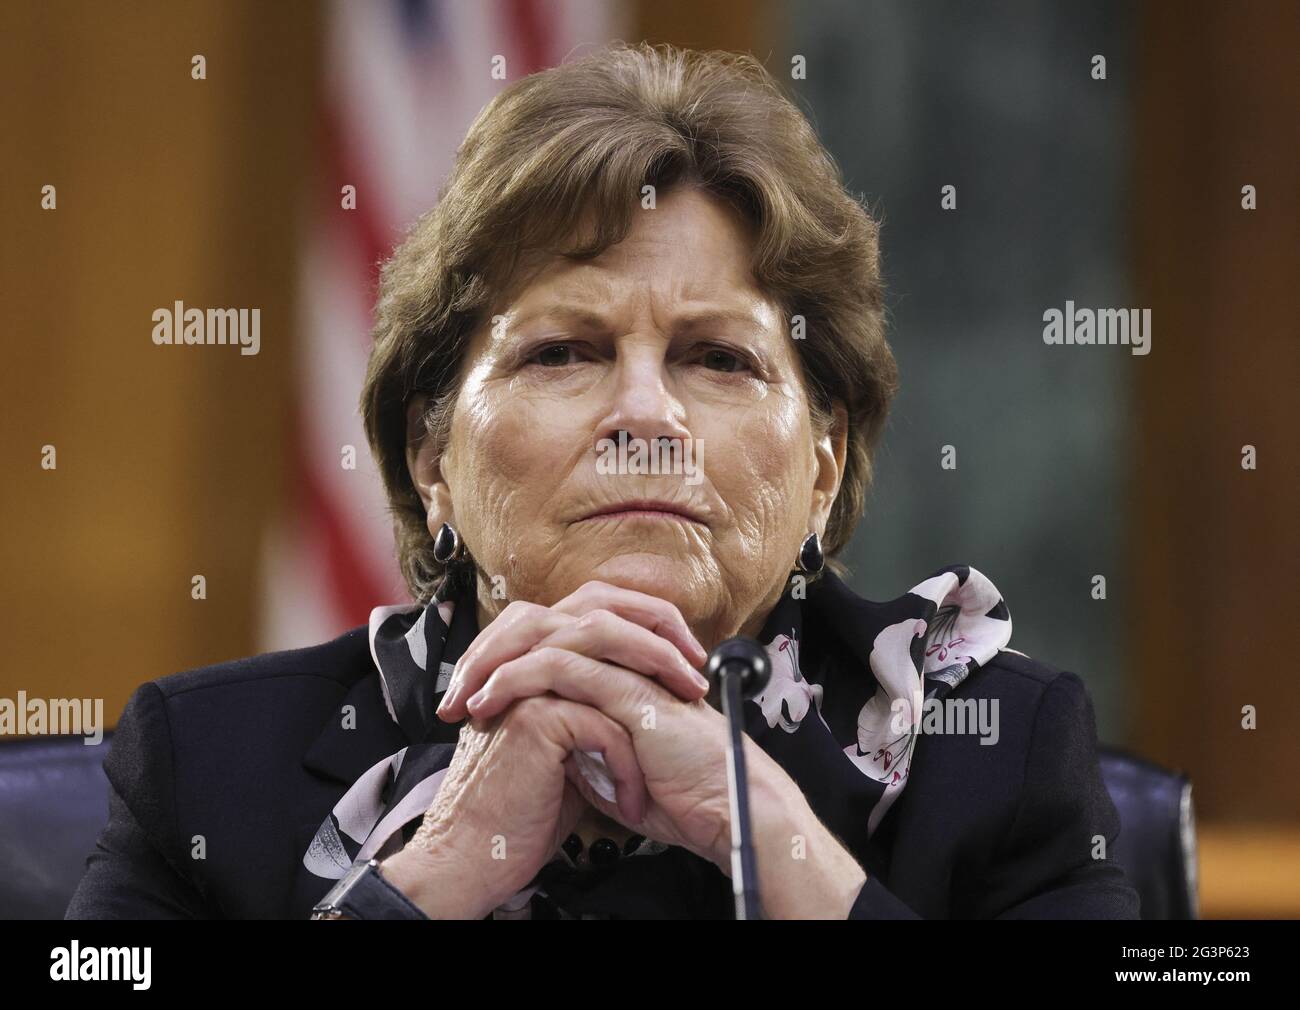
(507, 803)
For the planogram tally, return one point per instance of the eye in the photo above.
(553, 355)
(721, 360)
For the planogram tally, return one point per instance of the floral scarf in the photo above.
(876, 668)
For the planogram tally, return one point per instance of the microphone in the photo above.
(743, 658)
(740, 669)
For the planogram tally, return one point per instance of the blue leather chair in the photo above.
(54, 802)
(1157, 837)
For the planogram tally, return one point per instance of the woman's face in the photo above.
(662, 336)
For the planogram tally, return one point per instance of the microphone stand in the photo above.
(741, 669)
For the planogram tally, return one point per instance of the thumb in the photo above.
(572, 806)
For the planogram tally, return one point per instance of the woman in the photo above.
(626, 383)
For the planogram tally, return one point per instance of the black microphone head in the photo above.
(741, 657)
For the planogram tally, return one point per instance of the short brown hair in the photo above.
(590, 134)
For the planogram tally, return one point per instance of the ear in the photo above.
(424, 466)
(829, 451)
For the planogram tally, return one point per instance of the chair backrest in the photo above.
(53, 805)
(1157, 835)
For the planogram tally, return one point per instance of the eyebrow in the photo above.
(570, 313)
(687, 322)
(706, 318)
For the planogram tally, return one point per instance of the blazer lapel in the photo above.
(359, 733)
(354, 738)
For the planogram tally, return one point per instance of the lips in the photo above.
(647, 508)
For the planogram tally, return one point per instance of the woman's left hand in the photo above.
(680, 745)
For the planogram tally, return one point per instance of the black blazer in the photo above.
(221, 776)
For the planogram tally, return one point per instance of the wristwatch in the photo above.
(363, 893)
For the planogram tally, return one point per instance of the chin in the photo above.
(680, 581)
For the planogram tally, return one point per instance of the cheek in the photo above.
(509, 452)
(760, 467)
(500, 444)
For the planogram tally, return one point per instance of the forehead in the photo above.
(692, 248)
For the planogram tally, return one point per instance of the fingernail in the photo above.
(702, 680)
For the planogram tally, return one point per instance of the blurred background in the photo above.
(225, 189)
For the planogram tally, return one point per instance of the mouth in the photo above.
(646, 510)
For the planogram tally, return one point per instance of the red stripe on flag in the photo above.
(532, 34)
(363, 227)
(352, 586)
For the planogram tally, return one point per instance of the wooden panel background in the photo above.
(1214, 547)
(169, 458)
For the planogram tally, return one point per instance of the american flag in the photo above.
(403, 80)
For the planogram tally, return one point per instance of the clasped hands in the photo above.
(613, 671)
(631, 659)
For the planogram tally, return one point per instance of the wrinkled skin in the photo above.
(663, 335)
(519, 469)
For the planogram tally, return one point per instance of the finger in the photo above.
(588, 796)
(616, 692)
(572, 803)
(519, 627)
(653, 614)
(591, 730)
(602, 634)
(523, 625)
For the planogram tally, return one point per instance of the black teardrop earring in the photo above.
(811, 561)
(447, 546)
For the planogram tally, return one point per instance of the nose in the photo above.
(643, 404)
